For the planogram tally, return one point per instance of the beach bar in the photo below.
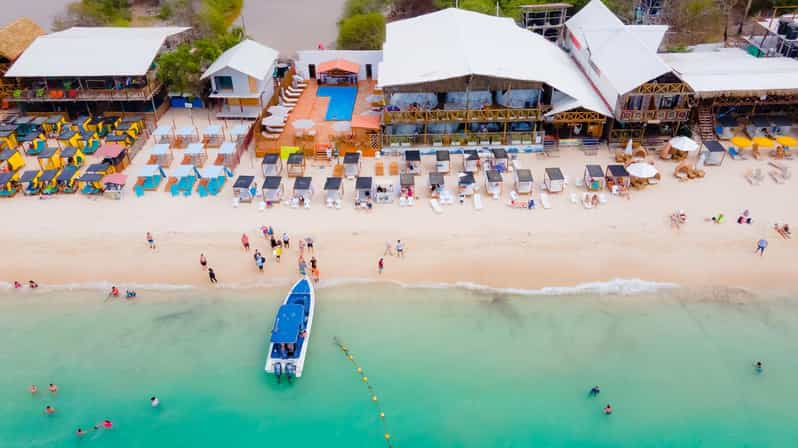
(272, 190)
(594, 178)
(243, 188)
(523, 181)
(333, 192)
(554, 180)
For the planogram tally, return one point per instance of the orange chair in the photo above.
(379, 168)
(393, 168)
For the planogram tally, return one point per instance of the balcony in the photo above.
(442, 115)
(644, 116)
(463, 139)
(82, 94)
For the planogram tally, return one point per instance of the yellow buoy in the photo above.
(365, 379)
(382, 415)
(360, 370)
(373, 398)
(349, 357)
(387, 436)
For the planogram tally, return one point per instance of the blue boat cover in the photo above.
(288, 323)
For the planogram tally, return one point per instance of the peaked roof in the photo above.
(248, 57)
(454, 43)
(93, 51)
(340, 65)
(625, 55)
(17, 36)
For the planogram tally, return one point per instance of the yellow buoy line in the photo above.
(372, 392)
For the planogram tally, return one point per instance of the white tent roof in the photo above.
(626, 55)
(453, 43)
(93, 51)
(732, 69)
(248, 57)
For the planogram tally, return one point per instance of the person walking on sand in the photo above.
(388, 249)
(313, 262)
(309, 243)
(212, 276)
(150, 240)
(400, 249)
(301, 247)
(314, 272)
(203, 262)
(260, 261)
(286, 241)
(278, 252)
(761, 246)
(245, 241)
(381, 265)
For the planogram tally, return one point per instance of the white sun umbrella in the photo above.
(628, 150)
(304, 124)
(642, 170)
(273, 120)
(341, 127)
(685, 144)
(279, 110)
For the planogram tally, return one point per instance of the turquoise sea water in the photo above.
(452, 368)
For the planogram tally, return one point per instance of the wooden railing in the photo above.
(657, 88)
(441, 115)
(464, 139)
(78, 94)
(667, 115)
(623, 135)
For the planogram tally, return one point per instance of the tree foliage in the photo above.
(362, 32)
(94, 13)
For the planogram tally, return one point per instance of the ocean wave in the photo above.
(617, 286)
(103, 286)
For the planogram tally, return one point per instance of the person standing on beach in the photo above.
(309, 243)
(302, 266)
(761, 246)
(278, 251)
(286, 241)
(388, 249)
(301, 247)
(314, 272)
(212, 276)
(313, 262)
(150, 240)
(381, 265)
(203, 262)
(245, 241)
(400, 249)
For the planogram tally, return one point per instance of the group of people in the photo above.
(281, 243)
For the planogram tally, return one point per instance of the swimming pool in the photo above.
(342, 102)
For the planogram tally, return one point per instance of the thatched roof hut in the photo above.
(17, 36)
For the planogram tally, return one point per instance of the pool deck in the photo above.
(314, 108)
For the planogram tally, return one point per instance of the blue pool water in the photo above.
(342, 102)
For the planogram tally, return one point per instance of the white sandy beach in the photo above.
(80, 240)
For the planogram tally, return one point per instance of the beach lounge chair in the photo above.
(545, 201)
(776, 176)
(586, 201)
(436, 206)
(379, 168)
(393, 168)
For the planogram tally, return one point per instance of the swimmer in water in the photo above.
(130, 294)
(80, 432)
(17, 284)
(608, 409)
(49, 410)
(595, 391)
(759, 366)
(107, 424)
(53, 388)
(33, 388)
(154, 402)
(32, 284)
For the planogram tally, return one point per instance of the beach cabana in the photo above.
(466, 184)
(616, 175)
(53, 124)
(741, 142)
(161, 155)
(470, 161)
(32, 143)
(364, 190)
(211, 180)
(182, 180)
(89, 142)
(271, 165)
(443, 161)
(102, 168)
(239, 133)
(72, 156)
(68, 137)
(594, 178)
(303, 191)
(30, 182)
(272, 190)
(782, 125)
(130, 129)
(213, 136)
(295, 165)
(115, 155)
(227, 156)
(114, 185)
(195, 154)
(80, 124)
(493, 182)
(412, 159)
(149, 178)
(244, 188)
(163, 134)
(67, 180)
(8, 136)
(124, 139)
(436, 184)
(185, 136)
(333, 191)
(91, 183)
(523, 181)
(642, 174)
(8, 184)
(352, 164)
(713, 152)
(554, 180)
(759, 125)
(407, 189)
(11, 160)
(49, 158)
(727, 126)
(48, 181)
(500, 161)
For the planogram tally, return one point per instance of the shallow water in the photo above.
(450, 367)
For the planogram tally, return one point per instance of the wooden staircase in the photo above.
(706, 123)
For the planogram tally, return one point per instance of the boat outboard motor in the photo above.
(278, 371)
(290, 371)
